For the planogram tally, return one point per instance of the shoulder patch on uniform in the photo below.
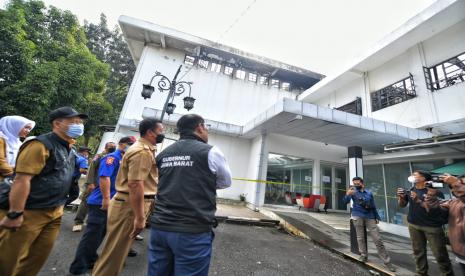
(109, 160)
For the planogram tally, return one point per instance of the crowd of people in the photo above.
(39, 175)
(428, 213)
(129, 186)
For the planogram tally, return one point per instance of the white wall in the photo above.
(218, 97)
(428, 107)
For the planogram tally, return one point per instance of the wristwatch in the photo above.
(14, 214)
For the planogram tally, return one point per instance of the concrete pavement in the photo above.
(332, 231)
(237, 250)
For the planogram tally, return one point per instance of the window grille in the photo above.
(398, 92)
(445, 74)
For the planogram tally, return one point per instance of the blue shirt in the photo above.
(109, 166)
(81, 163)
(360, 211)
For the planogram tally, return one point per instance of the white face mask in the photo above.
(411, 179)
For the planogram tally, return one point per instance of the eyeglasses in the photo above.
(206, 126)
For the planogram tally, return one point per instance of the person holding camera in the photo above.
(455, 208)
(423, 226)
(364, 214)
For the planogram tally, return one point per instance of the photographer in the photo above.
(424, 226)
(456, 211)
(364, 214)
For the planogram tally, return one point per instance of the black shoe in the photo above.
(132, 253)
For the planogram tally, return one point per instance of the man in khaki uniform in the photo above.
(44, 170)
(136, 186)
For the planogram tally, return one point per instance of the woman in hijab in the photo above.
(13, 130)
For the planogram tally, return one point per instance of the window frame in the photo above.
(388, 94)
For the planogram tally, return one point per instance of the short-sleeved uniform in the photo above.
(86, 253)
(138, 164)
(40, 227)
(81, 163)
(109, 166)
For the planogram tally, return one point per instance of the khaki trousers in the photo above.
(372, 228)
(24, 252)
(117, 242)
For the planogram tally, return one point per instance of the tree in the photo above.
(110, 47)
(45, 64)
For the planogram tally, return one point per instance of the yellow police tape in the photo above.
(297, 185)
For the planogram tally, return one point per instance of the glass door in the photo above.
(326, 178)
(340, 181)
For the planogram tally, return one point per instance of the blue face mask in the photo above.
(126, 148)
(75, 130)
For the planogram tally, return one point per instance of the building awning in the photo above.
(311, 122)
(330, 126)
(454, 169)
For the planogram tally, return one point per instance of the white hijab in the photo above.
(10, 126)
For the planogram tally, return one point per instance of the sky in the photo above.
(319, 35)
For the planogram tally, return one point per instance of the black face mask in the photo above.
(358, 188)
(110, 150)
(160, 138)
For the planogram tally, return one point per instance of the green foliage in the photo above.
(46, 61)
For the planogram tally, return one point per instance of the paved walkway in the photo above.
(332, 230)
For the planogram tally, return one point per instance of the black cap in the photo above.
(82, 149)
(128, 140)
(65, 112)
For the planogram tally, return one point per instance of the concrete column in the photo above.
(261, 174)
(355, 162)
(316, 177)
(355, 169)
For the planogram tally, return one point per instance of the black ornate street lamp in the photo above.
(175, 89)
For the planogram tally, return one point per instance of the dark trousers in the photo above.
(420, 235)
(179, 254)
(73, 192)
(462, 267)
(82, 209)
(86, 253)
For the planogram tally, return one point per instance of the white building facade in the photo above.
(402, 103)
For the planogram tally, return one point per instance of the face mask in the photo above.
(22, 139)
(110, 150)
(160, 138)
(358, 188)
(75, 130)
(411, 179)
(126, 148)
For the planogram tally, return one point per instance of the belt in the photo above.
(145, 196)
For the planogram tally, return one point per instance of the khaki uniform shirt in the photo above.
(138, 164)
(32, 158)
(5, 168)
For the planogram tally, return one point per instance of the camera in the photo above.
(435, 178)
(365, 204)
(434, 185)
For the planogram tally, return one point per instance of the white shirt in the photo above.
(218, 165)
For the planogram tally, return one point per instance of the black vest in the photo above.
(186, 197)
(51, 186)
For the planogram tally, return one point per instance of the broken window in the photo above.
(286, 86)
(189, 60)
(203, 63)
(275, 83)
(263, 80)
(447, 73)
(398, 92)
(228, 70)
(240, 74)
(354, 107)
(215, 67)
(252, 77)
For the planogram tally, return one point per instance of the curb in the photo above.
(248, 221)
(295, 231)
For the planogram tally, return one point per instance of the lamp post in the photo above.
(174, 87)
